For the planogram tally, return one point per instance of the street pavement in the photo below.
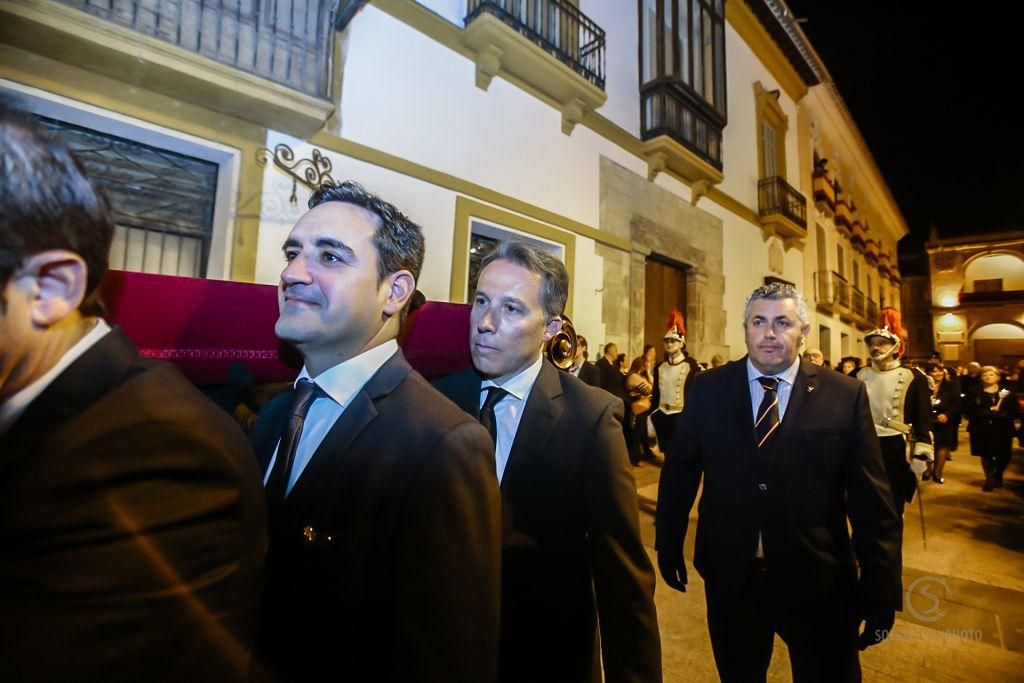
(963, 616)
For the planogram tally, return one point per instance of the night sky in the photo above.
(936, 90)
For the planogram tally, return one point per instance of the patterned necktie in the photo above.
(768, 412)
(306, 391)
(487, 417)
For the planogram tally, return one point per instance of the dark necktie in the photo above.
(768, 412)
(487, 418)
(306, 392)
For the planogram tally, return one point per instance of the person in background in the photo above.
(132, 519)
(717, 361)
(640, 385)
(849, 366)
(815, 356)
(945, 400)
(673, 380)
(993, 411)
(969, 382)
(581, 367)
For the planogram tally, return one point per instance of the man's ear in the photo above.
(552, 328)
(400, 288)
(58, 281)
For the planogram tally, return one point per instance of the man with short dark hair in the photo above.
(788, 456)
(573, 558)
(384, 511)
(132, 524)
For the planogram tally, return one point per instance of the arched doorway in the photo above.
(999, 344)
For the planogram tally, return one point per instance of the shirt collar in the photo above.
(788, 375)
(519, 385)
(12, 409)
(344, 380)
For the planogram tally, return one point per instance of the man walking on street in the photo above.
(573, 561)
(788, 455)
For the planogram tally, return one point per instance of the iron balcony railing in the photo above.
(777, 197)
(555, 26)
(665, 110)
(872, 312)
(285, 41)
(831, 289)
(859, 302)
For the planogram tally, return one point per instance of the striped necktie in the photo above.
(487, 416)
(306, 391)
(768, 412)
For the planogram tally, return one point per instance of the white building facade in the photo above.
(674, 153)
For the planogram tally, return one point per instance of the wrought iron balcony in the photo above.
(555, 26)
(832, 291)
(776, 197)
(284, 41)
(666, 109)
(858, 303)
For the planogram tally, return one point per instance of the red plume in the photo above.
(675, 319)
(890, 318)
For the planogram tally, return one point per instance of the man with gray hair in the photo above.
(788, 454)
(571, 522)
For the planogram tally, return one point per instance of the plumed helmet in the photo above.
(890, 328)
(674, 328)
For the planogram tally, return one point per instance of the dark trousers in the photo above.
(664, 428)
(902, 481)
(821, 636)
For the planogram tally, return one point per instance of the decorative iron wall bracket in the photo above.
(312, 172)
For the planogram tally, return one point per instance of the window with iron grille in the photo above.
(163, 201)
(682, 73)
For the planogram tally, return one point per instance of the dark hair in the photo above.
(608, 347)
(581, 340)
(554, 287)
(931, 366)
(637, 365)
(399, 241)
(47, 202)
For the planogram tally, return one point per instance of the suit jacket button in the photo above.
(309, 534)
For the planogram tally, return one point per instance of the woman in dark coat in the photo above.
(945, 409)
(992, 410)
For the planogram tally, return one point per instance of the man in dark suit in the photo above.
(572, 540)
(788, 454)
(132, 524)
(385, 530)
(582, 368)
(611, 378)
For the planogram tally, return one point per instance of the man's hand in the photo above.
(673, 568)
(878, 623)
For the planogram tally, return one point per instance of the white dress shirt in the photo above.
(339, 385)
(13, 407)
(786, 379)
(509, 410)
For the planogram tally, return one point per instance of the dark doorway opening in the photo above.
(664, 289)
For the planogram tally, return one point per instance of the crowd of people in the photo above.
(484, 527)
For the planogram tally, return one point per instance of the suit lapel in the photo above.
(542, 410)
(742, 409)
(359, 413)
(800, 398)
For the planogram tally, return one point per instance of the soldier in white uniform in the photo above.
(672, 381)
(900, 407)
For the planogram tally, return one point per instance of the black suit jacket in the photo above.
(132, 529)
(385, 557)
(572, 539)
(825, 467)
(589, 374)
